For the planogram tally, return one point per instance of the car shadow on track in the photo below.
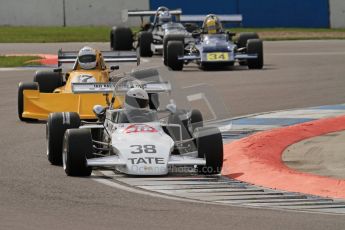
(226, 68)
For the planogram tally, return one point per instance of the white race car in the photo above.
(133, 142)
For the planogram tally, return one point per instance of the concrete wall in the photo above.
(31, 12)
(101, 12)
(337, 10)
(78, 12)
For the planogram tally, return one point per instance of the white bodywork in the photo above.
(142, 149)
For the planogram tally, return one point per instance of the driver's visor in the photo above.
(87, 58)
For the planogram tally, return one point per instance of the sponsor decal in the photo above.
(140, 128)
(84, 78)
(146, 160)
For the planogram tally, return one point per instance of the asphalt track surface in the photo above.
(36, 195)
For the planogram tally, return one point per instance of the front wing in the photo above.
(175, 160)
(38, 105)
(218, 57)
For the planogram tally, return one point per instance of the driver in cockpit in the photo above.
(136, 107)
(162, 16)
(212, 25)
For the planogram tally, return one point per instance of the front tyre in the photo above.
(57, 124)
(210, 146)
(174, 50)
(167, 38)
(255, 46)
(77, 145)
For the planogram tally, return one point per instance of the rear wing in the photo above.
(232, 18)
(145, 13)
(149, 87)
(108, 56)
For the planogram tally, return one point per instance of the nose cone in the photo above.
(145, 153)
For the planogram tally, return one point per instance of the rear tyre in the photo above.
(210, 146)
(56, 126)
(150, 74)
(21, 87)
(179, 118)
(254, 46)
(244, 37)
(174, 50)
(153, 101)
(167, 38)
(145, 40)
(190, 27)
(48, 81)
(121, 38)
(77, 145)
(196, 119)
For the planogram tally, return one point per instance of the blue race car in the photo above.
(213, 47)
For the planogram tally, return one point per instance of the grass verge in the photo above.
(26, 34)
(18, 61)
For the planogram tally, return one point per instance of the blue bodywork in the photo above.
(214, 44)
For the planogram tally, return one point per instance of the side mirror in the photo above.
(114, 67)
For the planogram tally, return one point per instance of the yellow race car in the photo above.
(51, 91)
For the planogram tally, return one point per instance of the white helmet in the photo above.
(136, 98)
(87, 58)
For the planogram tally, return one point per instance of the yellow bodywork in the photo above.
(38, 105)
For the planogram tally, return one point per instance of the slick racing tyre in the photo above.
(210, 146)
(48, 81)
(121, 38)
(174, 50)
(145, 40)
(196, 119)
(57, 124)
(244, 37)
(24, 86)
(77, 146)
(254, 46)
(180, 117)
(167, 38)
(191, 27)
(153, 101)
(242, 43)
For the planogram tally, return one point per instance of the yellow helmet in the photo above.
(212, 25)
